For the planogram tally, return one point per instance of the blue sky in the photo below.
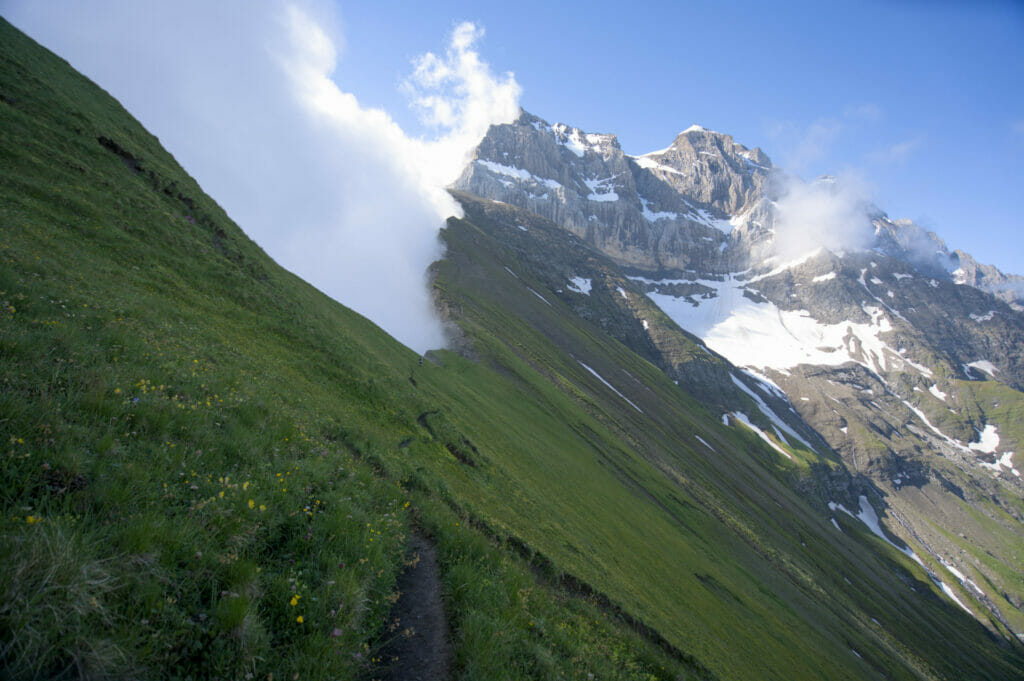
(925, 100)
(296, 116)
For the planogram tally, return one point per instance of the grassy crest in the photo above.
(211, 470)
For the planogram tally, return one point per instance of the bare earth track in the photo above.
(419, 649)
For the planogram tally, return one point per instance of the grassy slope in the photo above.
(153, 358)
(697, 508)
(991, 521)
(190, 438)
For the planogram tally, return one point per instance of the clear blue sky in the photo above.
(924, 99)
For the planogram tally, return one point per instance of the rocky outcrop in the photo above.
(710, 170)
(634, 209)
(929, 255)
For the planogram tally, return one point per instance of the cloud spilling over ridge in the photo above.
(828, 213)
(242, 93)
(458, 95)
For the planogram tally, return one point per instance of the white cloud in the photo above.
(828, 213)
(241, 92)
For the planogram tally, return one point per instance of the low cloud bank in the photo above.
(828, 213)
(242, 93)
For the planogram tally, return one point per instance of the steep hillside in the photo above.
(201, 453)
(904, 357)
(211, 470)
(726, 497)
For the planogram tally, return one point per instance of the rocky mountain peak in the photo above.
(630, 208)
(705, 203)
(710, 168)
(929, 255)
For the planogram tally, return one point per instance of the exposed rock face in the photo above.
(928, 253)
(905, 357)
(703, 204)
(711, 170)
(634, 209)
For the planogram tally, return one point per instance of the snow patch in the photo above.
(934, 390)
(952, 596)
(517, 173)
(539, 296)
(610, 386)
(708, 220)
(649, 163)
(1005, 461)
(581, 285)
(570, 138)
(772, 416)
(704, 442)
(924, 419)
(622, 292)
(987, 317)
(742, 418)
(652, 216)
(868, 516)
(984, 365)
(824, 277)
(512, 273)
(601, 190)
(766, 383)
(988, 440)
(789, 264)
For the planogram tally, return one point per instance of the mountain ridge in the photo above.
(704, 178)
(915, 334)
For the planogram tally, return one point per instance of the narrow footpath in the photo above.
(419, 649)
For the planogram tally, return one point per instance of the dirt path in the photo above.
(419, 649)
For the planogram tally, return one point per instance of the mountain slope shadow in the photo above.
(419, 649)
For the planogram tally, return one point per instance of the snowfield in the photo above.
(760, 335)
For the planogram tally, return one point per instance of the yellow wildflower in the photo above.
(299, 619)
(252, 504)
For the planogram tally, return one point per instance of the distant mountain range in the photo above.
(843, 330)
